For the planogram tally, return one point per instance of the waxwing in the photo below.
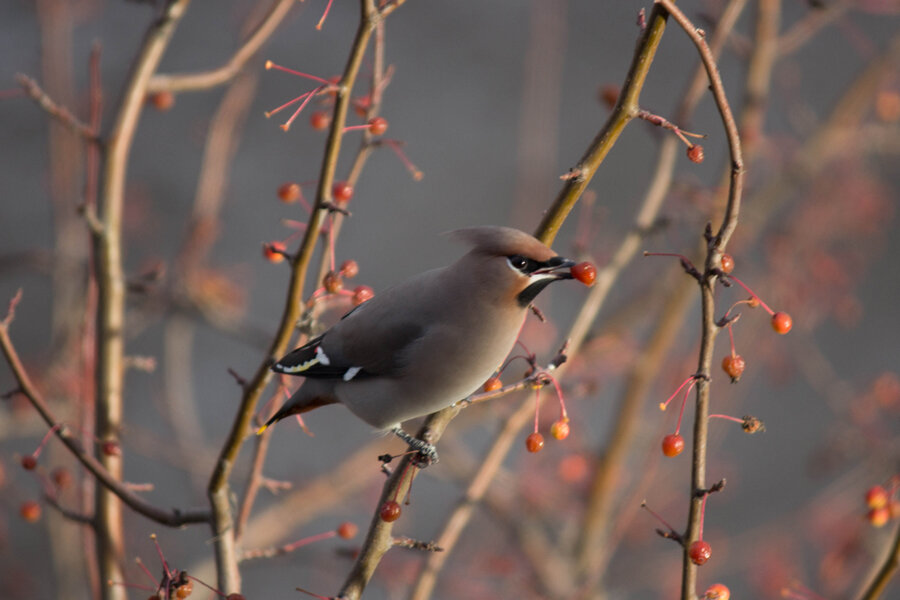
(429, 341)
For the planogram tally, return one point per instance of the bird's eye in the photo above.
(518, 262)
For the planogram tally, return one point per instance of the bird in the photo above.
(429, 341)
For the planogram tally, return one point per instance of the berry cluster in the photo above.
(883, 503)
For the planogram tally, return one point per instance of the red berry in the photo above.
(727, 263)
(492, 384)
(30, 511)
(534, 442)
(349, 269)
(560, 429)
(342, 192)
(362, 293)
(273, 251)
(162, 101)
(717, 591)
(61, 477)
(734, 366)
(111, 448)
(390, 511)
(782, 322)
(876, 497)
(378, 126)
(609, 95)
(332, 282)
(673, 444)
(878, 517)
(289, 192)
(29, 462)
(695, 153)
(574, 468)
(347, 530)
(319, 120)
(584, 272)
(699, 552)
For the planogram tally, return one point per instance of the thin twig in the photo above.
(60, 113)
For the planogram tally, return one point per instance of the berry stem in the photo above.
(162, 558)
(324, 15)
(394, 145)
(664, 405)
(563, 415)
(356, 127)
(144, 568)
(657, 516)
(731, 339)
(728, 417)
(537, 407)
(751, 292)
(702, 517)
(309, 96)
(286, 104)
(683, 404)
(271, 65)
(44, 441)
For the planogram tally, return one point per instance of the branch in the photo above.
(173, 518)
(208, 79)
(888, 568)
(217, 489)
(60, 113)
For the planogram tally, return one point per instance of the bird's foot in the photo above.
(427, 453)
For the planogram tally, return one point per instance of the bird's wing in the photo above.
(353, 353)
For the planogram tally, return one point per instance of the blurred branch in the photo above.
(174, 518)
(218, 489)
(62, 114)
(207, 79)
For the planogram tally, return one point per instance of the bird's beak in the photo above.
(558, 267)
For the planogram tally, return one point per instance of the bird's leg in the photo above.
(427, 452)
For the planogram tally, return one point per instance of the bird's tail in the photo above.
(301, 402)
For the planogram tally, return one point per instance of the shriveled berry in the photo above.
(378, 126)
(161, 101)
(390, 511)
(673, 444)
(534, 442)
(29, 462)
(347, 530)
(342, 192)
(492, 384)
(695, 153)
(727, 263)
(111, 448)
(879, 517)
(289, 192)
(362, 293)
(332, 282)
(274, 252)
(30, 511)
(184, 590)
(61, 477)
(319, 120)
(782, 322)
(560, 429)
(734, 366)
(751, 424)
(349, 269)
(699, 552)
(584, 272)
(876, 497)
(717, 591)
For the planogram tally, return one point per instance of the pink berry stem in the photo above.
(44, 441)
(162, 558)
(413, 169)
(537, 407)
(144, 568)
(731, 338)
(657, 516)
(310, 540)
(324, 15)
(331, 240)
(564, 416)
(683, 403)
(664, 405)
(287, 124)
(286, 104)
(749, 291)
(728, 417)
(206, 585)
(355, 127)
(271, 65)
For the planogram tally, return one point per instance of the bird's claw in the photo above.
(426, 453)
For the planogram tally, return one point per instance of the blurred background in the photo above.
(492, 102)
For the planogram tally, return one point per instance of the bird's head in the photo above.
(511, 262)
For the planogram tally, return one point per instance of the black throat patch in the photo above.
(527, 295)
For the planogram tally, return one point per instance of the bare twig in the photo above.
(60, 113)
(207, 79)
